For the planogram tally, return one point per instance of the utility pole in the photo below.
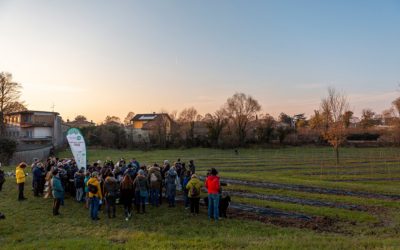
(53, 107)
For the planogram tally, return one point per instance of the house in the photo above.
(113, 123)
(142, 125)
(355, 122)
(35, 127)
(79, 124)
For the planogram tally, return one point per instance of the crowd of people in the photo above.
(123, 183)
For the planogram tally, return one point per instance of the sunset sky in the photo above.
(99, 58)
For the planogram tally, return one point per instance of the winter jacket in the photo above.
(166, 169)
(64, 178)
(143, 182)
(117, 171)
(37, 174)
(78, 180)
(20, 175)
(170, 184)
(131, 172)
(110, 185)
(86, 180)
(103, 171)
(212, 184)
(184, 184)
(137, 164)
(2, 176)
(192, 169)
(57, 188)
(127, 196)
(194, 182)
(182, 175)
(95, 182)
(71, 173)
(156, 171)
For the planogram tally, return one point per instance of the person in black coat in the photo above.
(71, 173)
(37, 179)
(192, 167)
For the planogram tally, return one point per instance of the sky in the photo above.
(99, 58)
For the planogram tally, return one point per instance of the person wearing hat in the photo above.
(166, 166)
(213, 186)
(192, 168)
(58, 191)
(94, 196)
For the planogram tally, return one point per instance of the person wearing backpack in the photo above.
(110, 192)
(155, 178)
(185, 191)
(79, 184)
(170, 186)
(142, 189)
(94, 196)
(193, 188)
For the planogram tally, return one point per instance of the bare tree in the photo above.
(10, 92)
(128, 118)
(335, 105)
(265, 128)
(80, 118)
(187, 117)
(367, 118)
(241, 109)
(215, 124)
(112, 119)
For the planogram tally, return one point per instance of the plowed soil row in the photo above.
(294, 200)
(308, 189)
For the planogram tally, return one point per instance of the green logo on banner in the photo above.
(78, 138)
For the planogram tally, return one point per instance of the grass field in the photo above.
(30, 224)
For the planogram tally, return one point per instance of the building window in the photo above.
(18, 133)
(27, 134)
(139, 136)
(13, 119)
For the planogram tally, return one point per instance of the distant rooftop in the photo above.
(32, 111)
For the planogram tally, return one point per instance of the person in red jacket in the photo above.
(213, 186)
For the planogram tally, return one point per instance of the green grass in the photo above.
(30, 224)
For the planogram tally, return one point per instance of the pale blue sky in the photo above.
(100, 58)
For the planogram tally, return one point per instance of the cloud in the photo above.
(308, 86)
(371, 97)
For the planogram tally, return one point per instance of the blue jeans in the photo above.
(187, 200)
(62, 197)
(154, 193)
(94, 207)
(171, 200)
(140, 199)
(213, 202)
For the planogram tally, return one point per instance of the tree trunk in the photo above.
(337, 155)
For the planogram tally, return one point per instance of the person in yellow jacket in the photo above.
(94, 196)
(193, 187)
(19, 173)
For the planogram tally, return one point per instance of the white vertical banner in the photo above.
(78, 146)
